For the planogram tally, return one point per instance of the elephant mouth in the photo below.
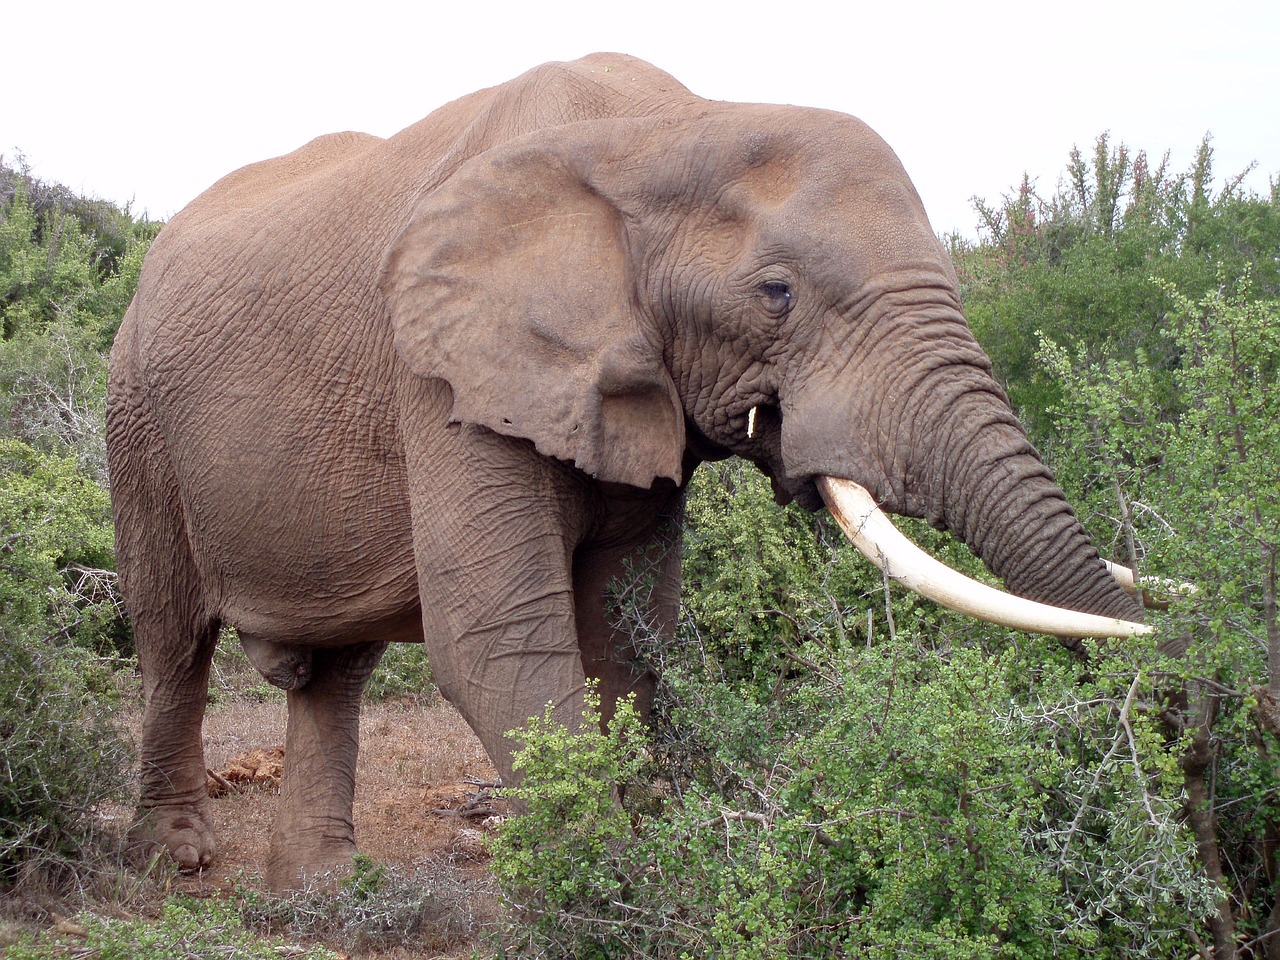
(874, 534)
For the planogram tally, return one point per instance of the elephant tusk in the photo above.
(880, 541)
(1124, 577)
(751, 423)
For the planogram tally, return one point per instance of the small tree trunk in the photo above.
(1204, 824)
(1273, 622)
(1271, 931)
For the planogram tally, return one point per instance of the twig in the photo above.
(1074, 827)
(727, 815)
(1133, 749)
(222, 781)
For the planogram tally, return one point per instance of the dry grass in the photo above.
(416, 756)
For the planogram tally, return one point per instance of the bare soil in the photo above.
(419, 795)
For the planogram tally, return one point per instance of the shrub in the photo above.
(1184, 475)
(377, 905)
(55, 527)
(63, 760)
(403, 671)
(188, 928)
(918, 796)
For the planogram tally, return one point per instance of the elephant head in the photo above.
(635, 295)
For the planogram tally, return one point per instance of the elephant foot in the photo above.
(296, 861)
(181, 831)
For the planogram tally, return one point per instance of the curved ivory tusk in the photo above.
(1124, 577)
(751, 423)
(874, 534)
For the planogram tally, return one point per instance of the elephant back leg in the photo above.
(174, 633)
(313, 831)
(626, 591)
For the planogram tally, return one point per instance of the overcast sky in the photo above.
(152, 102)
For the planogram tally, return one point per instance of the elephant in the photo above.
(445, 387)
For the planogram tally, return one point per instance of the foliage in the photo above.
(946, 802)
(758, 581)
(1076, 266)
(63, 760)
(64, 257)
(53, 391)
(55, 538)
(1192, 487)
(403, 671)
(753, 573)
(64, 286)
(188, 928)
(63, 757)
(67, 270)
(559, 850)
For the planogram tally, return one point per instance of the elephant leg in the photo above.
(502, 659)
(313, 830)
(173, 805)
(174, 636)
(495, 525)
(624, 596)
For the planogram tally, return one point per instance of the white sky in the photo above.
(151, 102)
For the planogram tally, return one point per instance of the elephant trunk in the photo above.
(935, 438)
(996, 494)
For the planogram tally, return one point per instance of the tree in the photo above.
(1192, 483)
(1075, 266)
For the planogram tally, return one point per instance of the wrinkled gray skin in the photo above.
(445, 385)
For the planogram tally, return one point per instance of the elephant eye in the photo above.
(777, 297)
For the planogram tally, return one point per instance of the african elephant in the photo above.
(445, 385)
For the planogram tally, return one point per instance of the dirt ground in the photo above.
(416, 759)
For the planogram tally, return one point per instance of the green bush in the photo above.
(63, 761)
(559, 859)
(55, 542)
(1076, 266)
(1186, 474)
(53, 395)
(902, 798)
(65, 258)
(403, 671)
(63, 758)
(188, 928)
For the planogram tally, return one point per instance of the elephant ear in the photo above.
(512, 282)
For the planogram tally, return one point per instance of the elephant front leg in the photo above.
(495, 525)
(502, 660)
(314, 832)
